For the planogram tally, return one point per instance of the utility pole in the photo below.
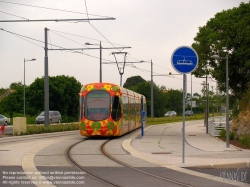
(191, 96)
(206, 106)
(100, 61)
(46, 81)
(46, 72)
(152, 92)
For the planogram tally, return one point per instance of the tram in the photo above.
(107, 109)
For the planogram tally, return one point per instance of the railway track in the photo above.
(104, 161)
(139, 170)
(168, 181)
(70, 158)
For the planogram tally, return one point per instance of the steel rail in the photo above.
(72, 161)
(141, 171)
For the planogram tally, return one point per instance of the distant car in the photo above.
(223, 109)
(54, 117)
(170, 113)
(189, 113)
(4, 120)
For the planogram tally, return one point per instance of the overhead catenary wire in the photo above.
(76, 41)
(68, 38)
(72, 51)
(56, 20)
(98, 30)
(86, 8)
(13, 15)
(132, 65)
(111, 43)
(49, 40)
(22, 36)
(55, 31)
(29, 41)
(33, 6)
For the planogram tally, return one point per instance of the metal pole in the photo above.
(152, 92)
(208, 111)
(142, 123)
(206, 107)
(46, 81)
(121, 79)
(100, 61)
(183, 119)
(191, 96)
(24, 89)
(217, 98)
(227, 104)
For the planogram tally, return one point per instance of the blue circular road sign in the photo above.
(184, 59)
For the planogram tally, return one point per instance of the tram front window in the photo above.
(97, 105)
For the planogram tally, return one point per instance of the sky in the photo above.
(153, 30)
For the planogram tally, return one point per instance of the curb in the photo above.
(233, 145)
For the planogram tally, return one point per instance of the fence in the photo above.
(216, 124)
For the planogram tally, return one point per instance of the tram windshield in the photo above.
(97, 105)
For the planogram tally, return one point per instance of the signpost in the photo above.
(143, 121)
(184, 60)
(143, 117)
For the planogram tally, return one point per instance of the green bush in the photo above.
(155, 121)
(223, 133)
(245, 140)
(231, 135)
(68, 119)
(38, 129)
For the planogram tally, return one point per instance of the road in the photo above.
(41, 159)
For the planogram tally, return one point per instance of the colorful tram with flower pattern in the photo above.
(109, 110)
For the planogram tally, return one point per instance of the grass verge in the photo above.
(156, 121)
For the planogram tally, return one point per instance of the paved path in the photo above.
(162, 145)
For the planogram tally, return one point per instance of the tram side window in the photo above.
(125, 107)
(116, 109)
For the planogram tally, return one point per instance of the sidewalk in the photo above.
(163, 145)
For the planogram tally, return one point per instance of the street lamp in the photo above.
(87, 43)
(207, 95)
(33, 59)
(207, 105)
(227, 98)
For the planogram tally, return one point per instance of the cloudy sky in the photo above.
(153, 30)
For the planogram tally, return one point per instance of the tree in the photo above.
(16, 85)
(144, 88)
(63, 96)
(13, 103)
(230, 29)
(196, 95)
(133, 81)
(173, 100)
(2, 90)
